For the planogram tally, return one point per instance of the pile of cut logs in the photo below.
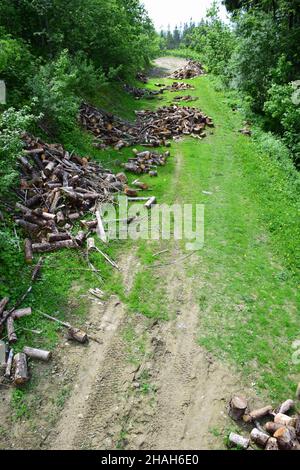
(152, 128)
(190, 70)
(139, 93)
(180, 86)
(272, 429)
(186, 98)
(57, 188)
(170, 121)
(146, 162)
(142, 77)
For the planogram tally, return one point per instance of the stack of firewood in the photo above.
(152, 128)
(57, 188)
(107, 128)
(272, 429)
(170, 121)
(146, 162)
(190, 70)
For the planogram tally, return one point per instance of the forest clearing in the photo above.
(139, 342)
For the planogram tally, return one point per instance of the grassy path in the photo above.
(249, 297)
(232, 307)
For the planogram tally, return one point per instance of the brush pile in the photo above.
(152, 128)
(191, 70)
(146, 162)
(271, 429)
(56, 189)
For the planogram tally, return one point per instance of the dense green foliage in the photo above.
(259, 56)
(53, 54)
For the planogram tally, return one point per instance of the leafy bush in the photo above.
(12, 123)
(213, 41)
(60, 85)
(16, 65)
(284, 115)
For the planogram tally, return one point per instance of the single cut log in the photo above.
(9, 364)
(22, 312)
(58, 237)
(286, 406)
(80, 237)
(238, 441)
(284, 420)
(286, 437)
(28, 226)
(150, 202)
(3, 304)
(260, 438)
(77, 335)
(271, 427)
(2, 354)
(257, 414)
(37, 353)
(12, 337)
(238, 406)
(272, 444)
(91, 244)
(28, 251)
(48, 247)
(21, 370)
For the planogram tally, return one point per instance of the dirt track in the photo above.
(173, 395)
(165, 66)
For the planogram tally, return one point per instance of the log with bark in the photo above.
(21, 375)
(238, 441)
(9, 364)
(56, 189)
(237, 407)
(37, 353)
